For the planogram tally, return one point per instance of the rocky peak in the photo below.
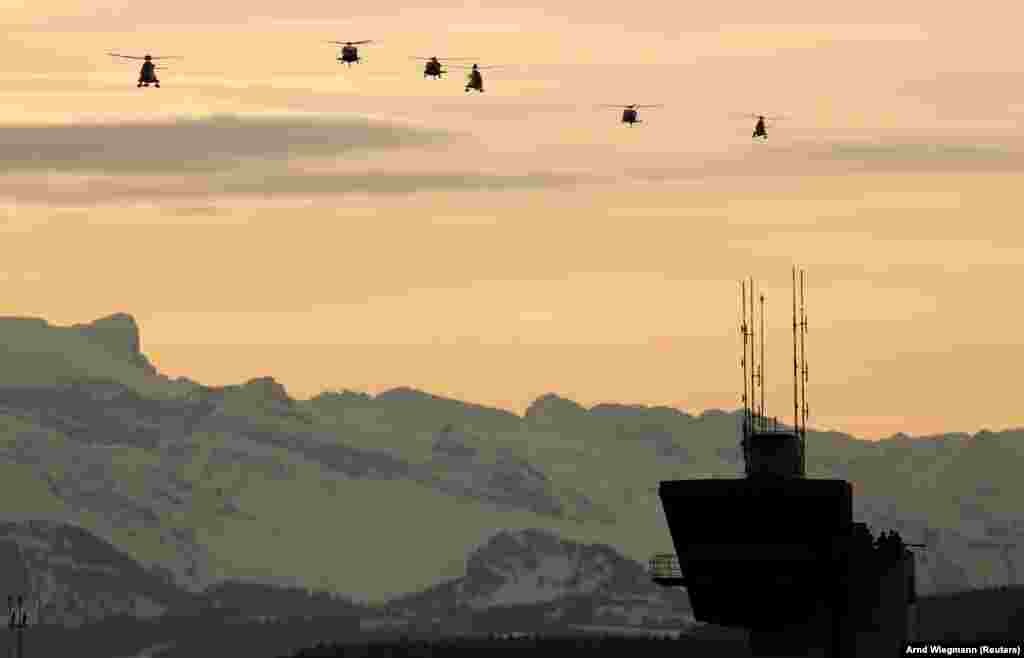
(119, 334)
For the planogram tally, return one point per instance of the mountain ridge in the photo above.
(120, 334)
(205, 480)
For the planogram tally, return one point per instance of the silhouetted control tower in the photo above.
(778, 553)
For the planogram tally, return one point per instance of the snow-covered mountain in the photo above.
(535, 575)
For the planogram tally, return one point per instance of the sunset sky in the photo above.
(271, 212)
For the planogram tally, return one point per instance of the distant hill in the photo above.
(375, 497)
(71, 577)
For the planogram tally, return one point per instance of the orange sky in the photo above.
(541, 247)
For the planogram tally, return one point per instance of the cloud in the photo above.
(392, 183)
(196, 145)
(274, 187)
(910, 156)
(782, 156)
(233, 156)
(920, 151)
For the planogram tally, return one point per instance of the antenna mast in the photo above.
(796, 389)
(753, 360)
(803, 358)
(764, 418)
(743, 360)
(745, 330)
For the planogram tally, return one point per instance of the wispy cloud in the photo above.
(783, 157)
(229, 156)
(297, 185)
(921, 151)
(918, 155)
(193, 145)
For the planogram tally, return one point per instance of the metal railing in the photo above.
(665, 565)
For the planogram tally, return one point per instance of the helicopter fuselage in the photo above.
(629, 116)
(476, 81)
(349, 55)
(148, 76)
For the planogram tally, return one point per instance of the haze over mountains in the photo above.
(377, 497)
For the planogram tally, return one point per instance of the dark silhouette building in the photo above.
(778, 553)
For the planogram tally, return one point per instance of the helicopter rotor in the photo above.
(758, 116)
(144, 57)
(447, 59)
(634, 106)
(481, 68)
(351, 43)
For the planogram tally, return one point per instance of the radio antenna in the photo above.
(743, 359)
(796, 389)
(753, 360)
(803, 357)
(745, 330)
(764, 418)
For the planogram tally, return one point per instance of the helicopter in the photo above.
(629, 112)
(433, 69)
(349, 53)
(476, 79)
(759, 127)
(147, 75)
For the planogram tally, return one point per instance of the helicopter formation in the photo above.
(433, 68)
